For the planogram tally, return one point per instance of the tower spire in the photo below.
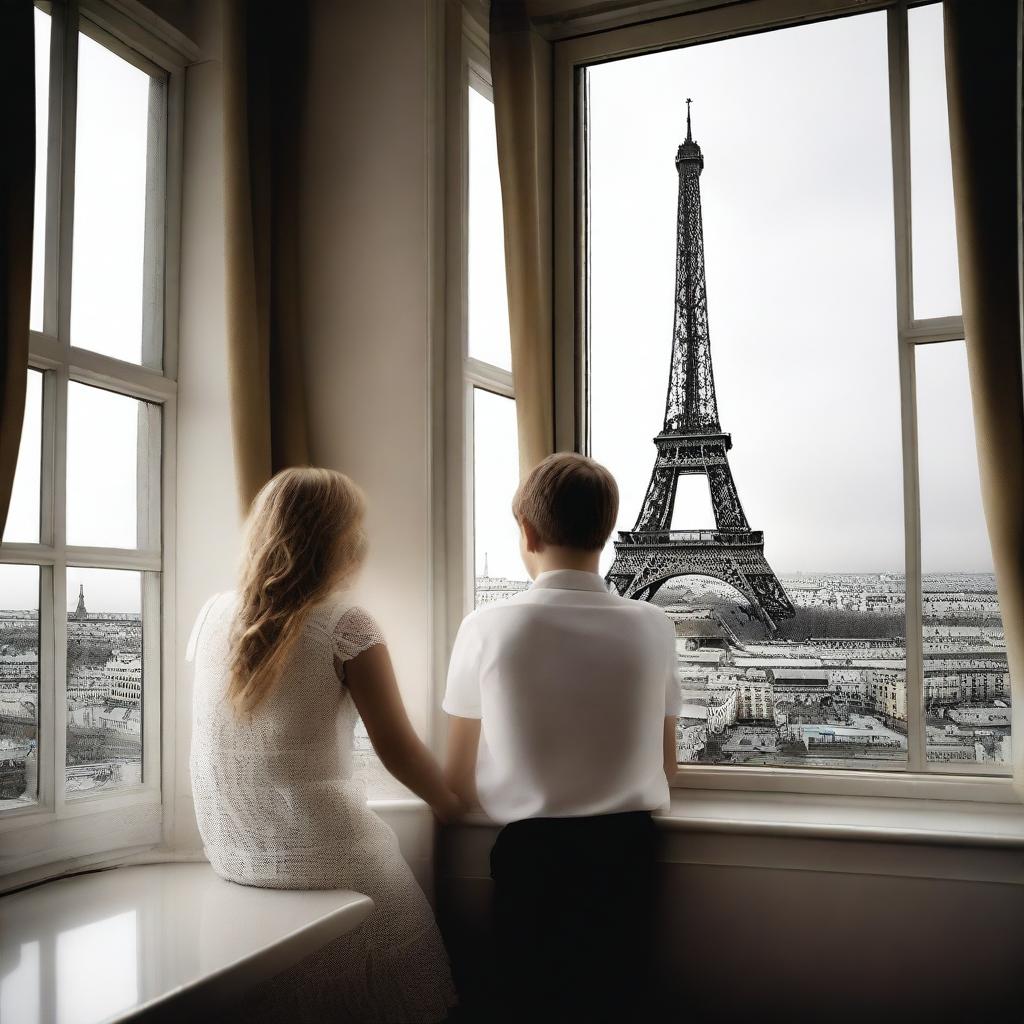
(689, 133)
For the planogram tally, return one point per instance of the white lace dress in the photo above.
(278, 806)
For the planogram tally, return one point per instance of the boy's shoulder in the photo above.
(650, 611)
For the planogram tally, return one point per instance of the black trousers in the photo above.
(573, 918)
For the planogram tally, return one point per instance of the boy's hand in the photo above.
(460, 764)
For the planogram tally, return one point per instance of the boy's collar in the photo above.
(570, 579)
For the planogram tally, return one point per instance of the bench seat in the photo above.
(155, 942)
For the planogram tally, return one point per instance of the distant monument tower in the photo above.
(692, 442)
(80, 612)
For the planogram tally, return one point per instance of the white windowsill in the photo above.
(855, 818)
(884, 819)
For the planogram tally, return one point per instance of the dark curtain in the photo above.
(983, 82)
(17, 193)
(264, 66)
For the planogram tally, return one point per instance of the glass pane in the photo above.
(488, 298)
(108, 266)
(109, 440)
(936, 275)
(966, 678)
(104, 685)
(42, 66)
(19, 685)
(789, 603)
(499, 569)
(23, 515)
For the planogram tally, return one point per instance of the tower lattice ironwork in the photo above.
(692, 442)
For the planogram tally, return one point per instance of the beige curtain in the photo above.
(264, 57)
(983, 87)
(521, 72)
(17, 187)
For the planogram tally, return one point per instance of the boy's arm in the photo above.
(460, 764)
(671, 764)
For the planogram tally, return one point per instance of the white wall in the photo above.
(366, 301)
(207, 516)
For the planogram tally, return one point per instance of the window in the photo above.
(486, 357)
(809, 512)
(83, 577)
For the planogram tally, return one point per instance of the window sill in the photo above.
(861, 818)
(45, 846)
(854, 818)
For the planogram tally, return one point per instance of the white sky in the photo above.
(110, 203)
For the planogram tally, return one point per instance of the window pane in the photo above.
(23, 515)
(936, 275)
(109, 304)
(19, 685)
(488, 299)
(797, 334)
(967, 682)
(104, 684)
(42, 66)
(499, 569)
(109, 440)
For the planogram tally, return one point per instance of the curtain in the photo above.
(521, 73)
(17, 194)
(984, 94)
(264, 58)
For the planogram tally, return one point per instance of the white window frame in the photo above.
(468, 67)
(571, 56)
(46, 836)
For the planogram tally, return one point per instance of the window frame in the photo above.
(571, 315)
(56, 830)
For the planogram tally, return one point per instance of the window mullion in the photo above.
(58, 724)
(66, 201)
(46, 708)
(57, 500)
(54, 142)
(899, 106)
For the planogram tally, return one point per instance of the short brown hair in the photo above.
(570, 500)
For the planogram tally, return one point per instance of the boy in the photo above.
(563, 704)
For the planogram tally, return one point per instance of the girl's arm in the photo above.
(370, 678)
(460, 764)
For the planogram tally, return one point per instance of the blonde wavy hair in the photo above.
(303, 538)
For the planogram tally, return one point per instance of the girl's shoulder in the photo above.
(216, 610)
(353, 629)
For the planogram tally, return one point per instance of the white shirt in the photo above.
(572, 685)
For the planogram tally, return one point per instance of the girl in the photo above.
(283, 667)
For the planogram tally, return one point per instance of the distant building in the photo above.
(494, 589)
(124, 680)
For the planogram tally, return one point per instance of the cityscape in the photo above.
(104, 703)
(828, 690)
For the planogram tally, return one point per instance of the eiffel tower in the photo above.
(692, 442)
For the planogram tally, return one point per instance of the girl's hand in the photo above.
(449, 810)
